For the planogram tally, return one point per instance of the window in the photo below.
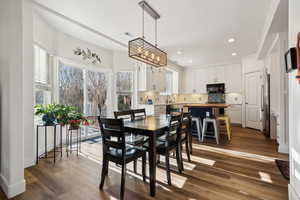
(124, 84)
(86, 90)
(42, 76)
(169, 82)
(41, 63)
(70, 81)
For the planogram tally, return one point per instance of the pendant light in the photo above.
(142, 50)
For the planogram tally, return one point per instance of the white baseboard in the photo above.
(283, 148)
(12, 189)
(292, 193)
(29, 163)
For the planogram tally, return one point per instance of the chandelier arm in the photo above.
(143, 29)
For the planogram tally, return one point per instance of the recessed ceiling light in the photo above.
(179, 52)
(128, 34)
(231, 40)
(234, 54)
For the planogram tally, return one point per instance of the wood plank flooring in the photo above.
(240, 169)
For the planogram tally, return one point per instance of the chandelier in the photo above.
(144, 51)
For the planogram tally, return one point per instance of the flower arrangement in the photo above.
(75, 119)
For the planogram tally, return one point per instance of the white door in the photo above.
(253, 100)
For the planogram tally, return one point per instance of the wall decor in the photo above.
(87, 55)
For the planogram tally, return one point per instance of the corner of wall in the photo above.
(292, 193)
(13, 189)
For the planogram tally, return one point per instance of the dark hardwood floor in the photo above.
(241, 169)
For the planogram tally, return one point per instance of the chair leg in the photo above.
(135, 166)
(179, 161)
(187, 150)
(144, 167)
(168, 168)
(228, 129)
(198, 129)
(104, 172)
(191, 142)
(216, 131)
(204, 129)
(123, 181)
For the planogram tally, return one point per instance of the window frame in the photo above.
(40, 86)
(84, 67)
(131, 93)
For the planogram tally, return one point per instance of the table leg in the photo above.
(46, 155)
(37, 145)
(152, 163)
(54, 151)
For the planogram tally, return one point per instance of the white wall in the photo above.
(294, 109)
(15, 92)
(274, 63)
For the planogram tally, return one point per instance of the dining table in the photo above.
(152, 127)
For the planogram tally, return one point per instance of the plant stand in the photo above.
(55, 149)
(69, 140)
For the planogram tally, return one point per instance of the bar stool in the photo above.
(198, 122)
(227, 121)
(215, 125)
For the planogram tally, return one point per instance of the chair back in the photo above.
(186, 122)
(125, 115)
(139, 114)
(174, 129)
(113, 134)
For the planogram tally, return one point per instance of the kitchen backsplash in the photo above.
(156, 98)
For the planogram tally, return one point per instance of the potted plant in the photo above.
(48, 113)
(75, 119)
(63, 114)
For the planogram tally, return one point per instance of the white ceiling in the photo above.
(198, 28)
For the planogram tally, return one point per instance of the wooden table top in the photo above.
(207, 105)
(151, 123)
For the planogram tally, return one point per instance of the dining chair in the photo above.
(131, 139)
(171, 142)
(186, 136)
(117, 150)
(138, 114)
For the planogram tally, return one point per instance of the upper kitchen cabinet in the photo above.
(189, 82)
(233, 78)
(151, 79)
(201, 79)
(195, 80)
(215, 75)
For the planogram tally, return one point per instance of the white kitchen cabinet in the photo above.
(189, 82)
(233, 76)
(149, 108)
(235, 113)
(151, 79)
(201, 79)
(195, 80)
(215, 75)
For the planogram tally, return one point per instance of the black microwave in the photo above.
(215, 88)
